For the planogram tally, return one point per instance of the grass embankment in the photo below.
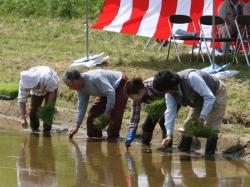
(27, 42)
(8, 90)
(50, 8)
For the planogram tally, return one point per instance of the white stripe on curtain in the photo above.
(150, 20)
(123, 15)
(184, 8)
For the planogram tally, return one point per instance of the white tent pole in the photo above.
(87, 28)
(213, 35)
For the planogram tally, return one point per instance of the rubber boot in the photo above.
(47, 127)
(163, 129)
(163, 134)
(211, 145)
(34, 123)
(185, 143)
(147, 137)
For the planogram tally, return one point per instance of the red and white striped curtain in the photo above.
(149, 18)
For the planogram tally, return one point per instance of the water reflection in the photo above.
(98, 163)
(155, 177)
(132, 171)
(36, 163)
(187, 170)
(194, 176)
(81, 177)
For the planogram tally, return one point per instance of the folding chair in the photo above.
(219, 22)
(182, 35)
(243, 26)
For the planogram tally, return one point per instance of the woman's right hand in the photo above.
(72, 132)
(24, 123)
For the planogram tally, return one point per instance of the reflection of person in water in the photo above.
(114, 166)
(40, 171)
(153, 172)
(99, 167)
(191, 178)
(166, 169)
(81, 177)
(133, 176)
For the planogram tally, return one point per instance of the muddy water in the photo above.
(29, 160)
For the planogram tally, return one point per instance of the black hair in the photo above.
(133, 86)
(165, 80)
(70, 76)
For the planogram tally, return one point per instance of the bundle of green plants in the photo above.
(101, 122)
(204, 131)
(9, 90)
(46, 113)
(156, 108)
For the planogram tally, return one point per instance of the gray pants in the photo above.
(215, 117)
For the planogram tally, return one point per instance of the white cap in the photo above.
(29, 79)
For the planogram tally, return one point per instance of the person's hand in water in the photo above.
(130, 137)
(72, 132)
(167, 142)
(24, 123)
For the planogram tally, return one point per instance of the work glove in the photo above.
(130, 137)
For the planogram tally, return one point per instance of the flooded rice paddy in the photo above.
(29, 160)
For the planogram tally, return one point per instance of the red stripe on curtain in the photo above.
(109, 12)
(139, 9)
(167, 9)
(196, 12)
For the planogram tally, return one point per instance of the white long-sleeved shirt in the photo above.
(48, 82)
(198, 85)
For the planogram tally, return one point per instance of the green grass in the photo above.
(236, 129)
(9, 90)
(50, 8)
(27, 42)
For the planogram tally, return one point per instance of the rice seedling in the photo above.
(46, 113)
(100, 122)
(156, 108)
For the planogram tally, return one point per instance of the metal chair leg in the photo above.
(208, 52)
(147, 44)
(176, 50)
(192, 52)
(161, 45)
(244, 50)
(200, 52)
(168, 49)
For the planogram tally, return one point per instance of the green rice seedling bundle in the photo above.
(100, 122)
(46, 113)
(199, 131)
(156, 109)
